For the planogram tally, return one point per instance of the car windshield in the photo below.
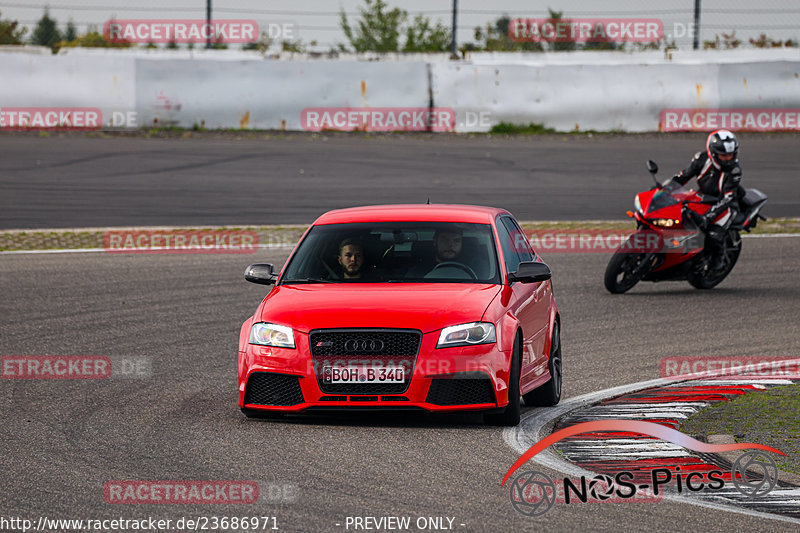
(395, 252)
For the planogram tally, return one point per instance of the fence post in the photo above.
(696, 24)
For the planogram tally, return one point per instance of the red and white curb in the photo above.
(661, 401)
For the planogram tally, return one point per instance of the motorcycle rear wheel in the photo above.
(703, 278)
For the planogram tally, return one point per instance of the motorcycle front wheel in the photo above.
(624, 270)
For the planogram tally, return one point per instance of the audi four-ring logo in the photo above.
(363, 345)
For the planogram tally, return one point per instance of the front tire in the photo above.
(511, 414)
(549, 394)
(624, 270)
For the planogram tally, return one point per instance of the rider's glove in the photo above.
(701, 221)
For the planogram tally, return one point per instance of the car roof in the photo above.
(475, 214)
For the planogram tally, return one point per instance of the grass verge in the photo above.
(766, 417)
(73, 239)
(507, 128)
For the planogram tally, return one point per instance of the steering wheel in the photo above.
(456, 264)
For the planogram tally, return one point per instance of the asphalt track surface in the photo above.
(61, 441)
(75, 181)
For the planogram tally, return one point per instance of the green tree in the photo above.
(380, 29)
(604, 43)
(262, 45)
(768, 42)
(46, 32)
(495, 38)
(377, 31)
(655, 45)
(423, 36)
(559, 46)
(91, 39)
(729, 42)
(10, 32)
(297, 46)
(219, 44)
(71, 32)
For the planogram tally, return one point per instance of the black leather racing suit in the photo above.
(716, 184)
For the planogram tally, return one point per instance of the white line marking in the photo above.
(527, 433)
(769, 235)
(169, 252)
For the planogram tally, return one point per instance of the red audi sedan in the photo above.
(427, 307)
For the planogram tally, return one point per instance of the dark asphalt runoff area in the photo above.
(61, 441)
(73, 181)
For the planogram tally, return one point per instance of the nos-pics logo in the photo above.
(754, 474)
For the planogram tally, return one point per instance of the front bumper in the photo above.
(447, 379)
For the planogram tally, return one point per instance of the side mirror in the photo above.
(651, 166)
(531, 272)
(261, 273)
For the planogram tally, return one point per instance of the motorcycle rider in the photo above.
(718, 174)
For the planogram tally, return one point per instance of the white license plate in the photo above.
(364, 374)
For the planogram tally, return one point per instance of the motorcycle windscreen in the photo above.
(665, 198)
(660, 200)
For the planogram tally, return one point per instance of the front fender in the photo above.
(508, 331)
(244, 334)
(552, 318)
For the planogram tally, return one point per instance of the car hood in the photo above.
(423, 306)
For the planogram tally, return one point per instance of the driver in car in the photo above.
(447, 248)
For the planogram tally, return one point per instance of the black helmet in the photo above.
(723, 149)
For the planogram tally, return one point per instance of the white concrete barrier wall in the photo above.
(572, 97)
(107, 82)
(600, 92)
(269, 94)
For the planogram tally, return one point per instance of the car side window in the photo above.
(510, 254)
(518, 238)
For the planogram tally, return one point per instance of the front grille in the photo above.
(464, 388)
(338, 342)
(266, 388)
(343, 347)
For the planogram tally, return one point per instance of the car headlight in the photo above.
(638, 205)
(266, 334)
(663, 222)
(467, 335)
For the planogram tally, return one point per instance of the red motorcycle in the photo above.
(669, 243)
